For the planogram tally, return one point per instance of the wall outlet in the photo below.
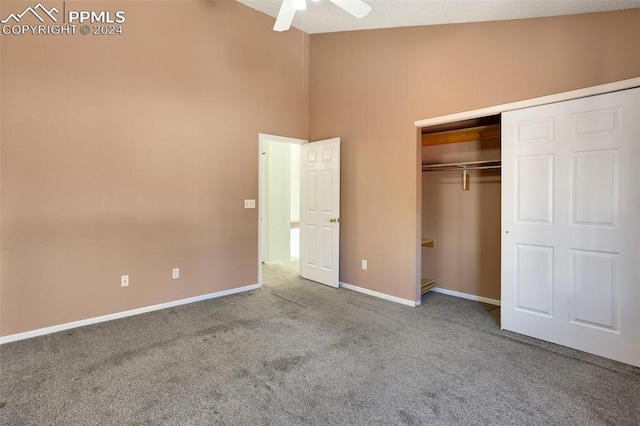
(124, 280)
(364, 264)
(176, 273)
(249, 204)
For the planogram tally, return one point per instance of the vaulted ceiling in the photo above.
(322, 16)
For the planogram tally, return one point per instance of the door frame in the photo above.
(543, 100)
(263, 138)
(494, 110)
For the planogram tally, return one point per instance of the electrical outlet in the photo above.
(124, 280)
(364, 264)
(176, 273)
(249, 204)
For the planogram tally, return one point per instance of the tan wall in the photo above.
(464, 224)
(132, 155)
(369, 86)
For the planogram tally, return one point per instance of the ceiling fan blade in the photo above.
(357, 8)
(285, 16)
(299, 4)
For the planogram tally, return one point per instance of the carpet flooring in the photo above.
(299, 353)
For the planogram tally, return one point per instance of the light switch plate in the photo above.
(249, 204)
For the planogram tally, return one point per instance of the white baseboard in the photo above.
(466, 296)
(379, 295)
(117, 315)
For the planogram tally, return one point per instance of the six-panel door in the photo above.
(320, 211)
(570, 224)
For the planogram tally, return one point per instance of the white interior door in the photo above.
(570, 224)
(320, 211)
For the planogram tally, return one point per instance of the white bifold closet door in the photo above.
(571, 224)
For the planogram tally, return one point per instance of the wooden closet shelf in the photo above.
(479, 133)
(427, 284)
(428, 242)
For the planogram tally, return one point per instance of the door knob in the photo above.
(335, 220)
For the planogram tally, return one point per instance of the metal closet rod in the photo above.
(460, 169)
(464, 168)
(468, 165)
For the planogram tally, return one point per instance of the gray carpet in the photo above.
(295, 353)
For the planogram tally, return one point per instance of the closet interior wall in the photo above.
(464, 224)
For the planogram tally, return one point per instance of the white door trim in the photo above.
(558, 97)
(263, 138)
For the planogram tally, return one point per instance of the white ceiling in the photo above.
(325, 17)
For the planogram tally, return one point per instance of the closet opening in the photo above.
(461, 209)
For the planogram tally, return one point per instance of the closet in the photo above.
(461, 208)
(552, 234)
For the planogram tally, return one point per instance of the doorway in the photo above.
(461, 188)
(299, 207)
(279, 203)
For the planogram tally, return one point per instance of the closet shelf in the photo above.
(428, 242)
(479, 133)
(427, 284)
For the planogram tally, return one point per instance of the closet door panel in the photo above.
(571, 203)
(534, 196)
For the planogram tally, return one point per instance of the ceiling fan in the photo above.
(357, 8)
